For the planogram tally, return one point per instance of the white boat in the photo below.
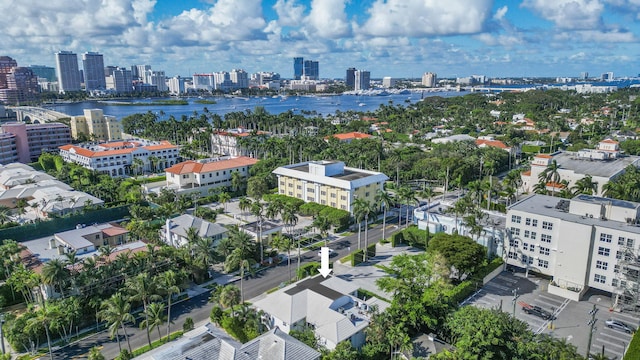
(362, 104)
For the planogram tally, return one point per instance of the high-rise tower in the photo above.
(93, 66)
(67, 71)
(298, 67)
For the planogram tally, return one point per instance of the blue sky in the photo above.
(399, 38)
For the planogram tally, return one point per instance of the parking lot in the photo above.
(570, 318)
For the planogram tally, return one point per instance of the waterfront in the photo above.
(321, 105)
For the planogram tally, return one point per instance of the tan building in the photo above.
(96, 126)
(329, 183)
(202, 175)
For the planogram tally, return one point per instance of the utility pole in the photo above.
(514, 300)
(1, 333)
(591, 323)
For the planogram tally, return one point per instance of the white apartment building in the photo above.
(226, 143)
(362, 80)
(329, 183)
(239, 78)
(176, 85)
(585, 242)
(205, 82)
(202, 175)
(604, 163)
(96, 125)
(117, 158)
(429, 79)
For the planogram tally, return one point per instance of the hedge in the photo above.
(411, 236)
(462, 291)
(633, 352)
(357, 257)
(309, 269)
(287, 200)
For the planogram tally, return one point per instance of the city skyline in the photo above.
(395, 38)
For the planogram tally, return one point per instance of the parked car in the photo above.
(331, 253)
(619, 325)
(538, 311)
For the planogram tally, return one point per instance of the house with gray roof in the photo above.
(330, 307)
(175, 230)
(210, 343)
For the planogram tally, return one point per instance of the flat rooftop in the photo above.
(347, 174)
(602, 168)
(314, 285)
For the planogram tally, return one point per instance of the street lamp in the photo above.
(592, 328)
(515, 298)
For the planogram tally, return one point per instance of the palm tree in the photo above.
(237, 181)
(274, 208)
(290, 219)
(5, 214)
(257, 209)
(169, 283)
(236, 259)
(405, 193)
(361, 211)
(586, 185)
(116, 311)
(385, 201)
(284, 243)
(95, 354)
(551, 174)
(45, 315)
(154, 318)
(143, 288)
(224, 198)
(137, 165)
(322, 224)
(55, 273)
(427, 193)
(244, 204)
(230, 296)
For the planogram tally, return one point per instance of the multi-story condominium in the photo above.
(6, 65)
(388, 82)
(585, 242)
(298, 68)
(604, 163)
(202, 175)
(205, 82)
(138, 72)
(31, 140)
(226, 143)
(264, 78)
(118, 158)
(222, 81)
(239, 78)
(93, 70)
(8, 148)
(96, 126)
(429, 79)
(329, 183)
(120, 80)
(45, 72)
(312, 69)
(156, 78)
(363, 79)
(22, 86)
(67, 71)
(350, 78)
(176, 85)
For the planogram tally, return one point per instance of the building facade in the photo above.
(362, 80)
(93, 70)
(31, 140)
(311, 69)
(67, 71)
(96, 126)
(429, 79)
(176, 85)
(8, 148)
(298, 68)
(45, 72)
(586, 242)
(329, 183)
(121, 158)
(120, 81)
(22, 86)
(202, 175)
(239, 78)
(350, 79)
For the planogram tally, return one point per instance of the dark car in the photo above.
(538, 311)
(619, 325)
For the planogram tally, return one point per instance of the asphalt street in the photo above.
(198, 308)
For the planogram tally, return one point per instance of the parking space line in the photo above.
(625, 317)
(617, 335)
(555, 314)
(608, 343)
(552, 300)
(598, 350)
(501, 287)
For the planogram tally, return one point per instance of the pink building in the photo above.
(31, 140)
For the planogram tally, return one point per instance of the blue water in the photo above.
(322, 105)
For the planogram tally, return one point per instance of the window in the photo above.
(603, 251)
(323, 202)
(618, 255)
(545, 238)
(527, 221)
(547, 225)
(516, 219)
(515, 231)
(512, 255)
(366, 194)
(630, 242)
(333, 204)
(616, 268)
(527, 233)
(534, 222)
(543, 263)
(532, 248)
(525, 246)
(599, 278)
(310, 190)
(343, 197)
(533, 235)
(614, 282)
(602, 265)
(290, 184)
(513, 243)
(299, 187)
(333, 195)
(544, 250)
(621, 240)
(343, 207)
(605, 237)
(310, 198)
(323, 193)
(290, 193)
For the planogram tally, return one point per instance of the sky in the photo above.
(397, 38)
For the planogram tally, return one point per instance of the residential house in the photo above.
(202, 175)
(175, 231)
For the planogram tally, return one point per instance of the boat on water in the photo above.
(362, 104)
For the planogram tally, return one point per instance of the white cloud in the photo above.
(500, 13)
(501, 40)
(569, 14)
(596, 36)
(289, 12)
(328, 19)
(426, 17)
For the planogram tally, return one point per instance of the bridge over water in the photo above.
(37, 115)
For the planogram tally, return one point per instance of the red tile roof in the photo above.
(544, 156)
(609, 141)
(187, 167)
(492, 143)
(115, 231)
(351, 136)
(90, 153)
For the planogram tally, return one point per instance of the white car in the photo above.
(331, 253)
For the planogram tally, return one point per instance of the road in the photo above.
(198, 308)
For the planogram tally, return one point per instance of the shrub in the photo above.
(357, 257)
(188, 324)
(309, 269)
(371, 250)
(124, 355)
(462, 291)
(397, 239)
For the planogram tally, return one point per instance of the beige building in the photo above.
(96, 126)
(604, 163)
(329, 183)
(586, 242)
(202, 175)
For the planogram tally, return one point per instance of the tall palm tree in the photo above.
(290, 220)
(385, 201)
(244, 204)
(168, 280)
(45, 315)
(224, 198)
(586, 185)
(551, 174)
(284, 242)
(144, 289)
(361, 210)
(236, 259)
(408, 196)
(237, 181)
(257, 209)
(55, 273)
(322, 224)
(116, 311)
(154, 318)
(427, 193)
(229, 296)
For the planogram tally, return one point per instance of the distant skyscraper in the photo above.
(139, 71)
(93, 66)
(362, 80)
(311, 70)
(608, 76)
(176, 85)
(45, 72)
(298, 67)
(429, 79)
(158, 79)
(6, 65)
(120, 81)
(350, 79)
(22, 86)
(240, 78)
(388, 82)
(67, 71)
(584, 75)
